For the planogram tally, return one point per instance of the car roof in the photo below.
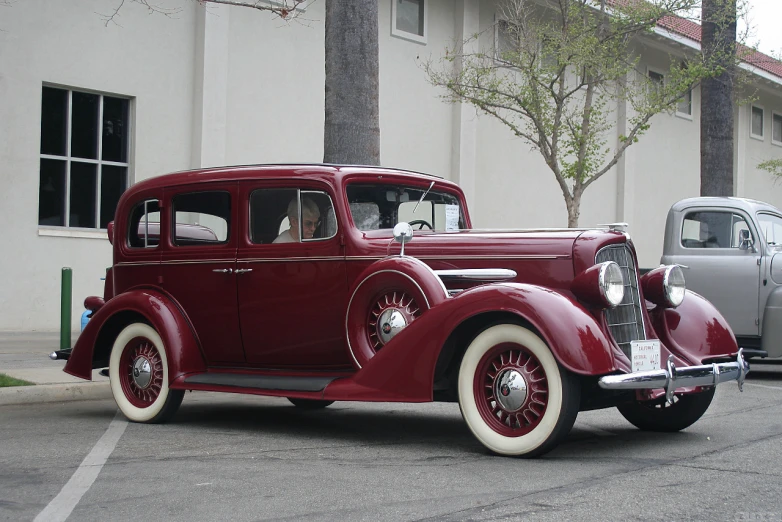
(746, 204)
(271, 171)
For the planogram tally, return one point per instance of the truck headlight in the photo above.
(600, 285)
(664, 286)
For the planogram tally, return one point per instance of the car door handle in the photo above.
(243, 270)
(223, 270)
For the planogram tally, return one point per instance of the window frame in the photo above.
(413, 37)
(653, 70)
(762, 135)
(66, 230)
(776, 116)
(685, 115)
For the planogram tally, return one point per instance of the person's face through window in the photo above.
(309, 224)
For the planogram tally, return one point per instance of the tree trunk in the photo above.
(573, 210)
(352, 124)
(718, 43)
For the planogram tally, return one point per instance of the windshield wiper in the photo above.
(423, 196)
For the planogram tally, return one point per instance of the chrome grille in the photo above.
(626, 320)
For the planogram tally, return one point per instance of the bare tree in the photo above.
(718, 43)
(556, 75)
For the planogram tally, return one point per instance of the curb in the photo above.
(90, 391)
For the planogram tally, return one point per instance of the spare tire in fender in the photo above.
(386, 297)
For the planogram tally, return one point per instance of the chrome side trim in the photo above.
(477, 274)
(463, 257)
(673, 377)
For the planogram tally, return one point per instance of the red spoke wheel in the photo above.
(138, 369)
(513, 394)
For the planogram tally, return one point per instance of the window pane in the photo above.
(113, 182)
(202, 217)
(84, 130)
(115, 129)
(54, 109)
(776, 131)
(144, 225)
(51, 193)
(685, 104)
(410, 16)
(83, 186)
(757, 121)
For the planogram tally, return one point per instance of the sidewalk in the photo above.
(25, 355)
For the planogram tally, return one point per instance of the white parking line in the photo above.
(62, 505)
(763, 386)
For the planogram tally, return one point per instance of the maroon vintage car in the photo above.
(305, 282)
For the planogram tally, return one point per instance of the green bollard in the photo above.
(65, 308)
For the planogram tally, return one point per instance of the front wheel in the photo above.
(138, 370)
(663, 417)
(516, 399)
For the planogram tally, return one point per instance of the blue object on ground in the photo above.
(84, 318)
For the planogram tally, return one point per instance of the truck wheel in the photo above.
(138, 369)
(310, 404)
(663, 417)
(516, 399)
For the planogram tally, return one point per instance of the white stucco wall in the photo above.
(147, 58)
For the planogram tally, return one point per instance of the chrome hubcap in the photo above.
(510, 389)
(142, 372)
(390, 323)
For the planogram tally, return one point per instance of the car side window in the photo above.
(286, 215)
(144, 225)
(201, 218)
(712, 229)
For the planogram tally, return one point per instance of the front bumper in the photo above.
(673, 377)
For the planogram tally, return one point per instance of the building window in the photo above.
(409, 19)
(684, 105)
(776, 128)
(756, 122)
(656, 80)
(84, 157)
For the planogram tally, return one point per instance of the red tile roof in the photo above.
(691, 30)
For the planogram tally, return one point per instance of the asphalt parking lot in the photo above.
(254, 458)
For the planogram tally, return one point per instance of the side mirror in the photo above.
(745, 240)
(403, 233)
(110, 231)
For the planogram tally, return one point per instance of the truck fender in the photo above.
(695, 330)
(404, 369)
(93, 348)
(771, 332)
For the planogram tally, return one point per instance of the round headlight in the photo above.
(612, 283)
(673, 284)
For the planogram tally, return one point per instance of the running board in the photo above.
(261, 382)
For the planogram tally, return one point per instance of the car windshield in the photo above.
(381, 206)
(771, 227)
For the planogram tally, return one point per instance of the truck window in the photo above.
(712, 229)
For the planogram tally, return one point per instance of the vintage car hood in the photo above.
(463, 244)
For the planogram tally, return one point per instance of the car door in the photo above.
(292, 294)
(719, 269)
(199, 260)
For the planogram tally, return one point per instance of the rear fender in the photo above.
(93, 348)
(404, 369)
(694, 330)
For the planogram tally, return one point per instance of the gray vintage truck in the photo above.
(731, 250)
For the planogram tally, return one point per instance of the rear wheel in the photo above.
(138, 370)
(516, 399)
(310, 404)
(663, 417)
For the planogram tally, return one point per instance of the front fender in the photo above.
(694, 330)
(160, 311)
(404, 369)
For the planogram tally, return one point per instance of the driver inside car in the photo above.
(310, 220)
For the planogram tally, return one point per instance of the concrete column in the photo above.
(465, 125)
(210, 93)
(625, 178)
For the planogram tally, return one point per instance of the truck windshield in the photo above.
(771, 227)
(381, 206)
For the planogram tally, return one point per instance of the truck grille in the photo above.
(626, 320)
